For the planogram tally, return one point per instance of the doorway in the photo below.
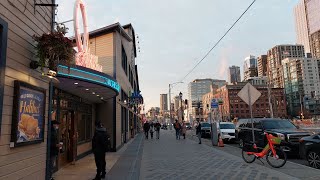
(66, 137)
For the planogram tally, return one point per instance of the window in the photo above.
(3, 48)
(124, 61)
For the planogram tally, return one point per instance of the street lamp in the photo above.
(180, 95)
(170, 86)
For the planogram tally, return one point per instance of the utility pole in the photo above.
(269, 98)
(170, 104)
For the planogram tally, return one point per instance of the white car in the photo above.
(227, 131)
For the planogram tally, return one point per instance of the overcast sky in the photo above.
(175, 34)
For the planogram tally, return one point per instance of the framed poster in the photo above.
(28, 118)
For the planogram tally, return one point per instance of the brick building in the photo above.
(234, 107)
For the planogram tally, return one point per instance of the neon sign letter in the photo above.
(83, 56)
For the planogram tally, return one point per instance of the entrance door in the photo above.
(66, 134)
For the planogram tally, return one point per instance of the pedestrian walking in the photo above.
(198, 131)
(146, 128)
(100, 147)
(55, 145)
(184, 129)
(177, 127)
(151, 130)
(157, 128)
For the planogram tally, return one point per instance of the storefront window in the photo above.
(84, 128)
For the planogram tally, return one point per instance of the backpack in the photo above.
(177, 125)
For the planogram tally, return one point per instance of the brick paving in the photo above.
(169, 158)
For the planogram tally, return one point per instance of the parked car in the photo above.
(282, 128)
(188, 125)
(310, 150)
(205, 129)
(227, 131)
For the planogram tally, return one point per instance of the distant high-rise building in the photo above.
(234, 74)
(302, 86)
(163, 103)
(301, 25)
(198, 88)
(274, 66)
(315, 44)
(262, 65)
(250, 67)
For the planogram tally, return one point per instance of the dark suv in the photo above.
(287, 131)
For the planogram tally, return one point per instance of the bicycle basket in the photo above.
(275, 140)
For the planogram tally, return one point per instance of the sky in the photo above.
(175, 34)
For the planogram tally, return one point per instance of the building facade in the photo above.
(75, 95)
(206, 101)
(163, 103)
(196, 90)
(302, 86)
(250, 67)
(274, 66)
(115, 46)
(315, 44)
(234, 107)
(234, 74)
(301, 26)
(262, 65)
(263, 80)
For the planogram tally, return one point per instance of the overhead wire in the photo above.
(217, 43)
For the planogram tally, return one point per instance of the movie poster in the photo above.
(29, 118)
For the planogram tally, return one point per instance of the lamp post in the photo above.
(180, 95)
(170, 86)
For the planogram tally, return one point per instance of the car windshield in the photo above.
(205, 125)
(278, 124)
(227, 126)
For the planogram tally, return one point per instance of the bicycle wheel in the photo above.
(277, 160)
(248, 158)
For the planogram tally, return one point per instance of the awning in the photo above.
(86, 83)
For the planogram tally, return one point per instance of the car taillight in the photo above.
(301, 140)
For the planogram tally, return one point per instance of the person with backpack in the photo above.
(157, 128)
(146, 128)
(177, 127)
(100, 146)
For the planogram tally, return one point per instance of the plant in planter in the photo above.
(53, 49)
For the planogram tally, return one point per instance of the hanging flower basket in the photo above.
(53, 49)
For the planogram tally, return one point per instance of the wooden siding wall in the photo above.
(102, 46)
(122, 78)
(27, 162)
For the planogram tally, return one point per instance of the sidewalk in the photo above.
(183, 159)
(168, 158)
(85, 168)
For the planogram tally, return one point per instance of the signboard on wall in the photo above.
(28, 118)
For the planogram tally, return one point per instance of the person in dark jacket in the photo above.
(157, 128)
(54, 146)
(99, 149)
(146, 128)
(177, 127)
(198, 131)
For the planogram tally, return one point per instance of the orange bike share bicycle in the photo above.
(275, 156)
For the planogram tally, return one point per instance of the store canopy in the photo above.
(86, 83)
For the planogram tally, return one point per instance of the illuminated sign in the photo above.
(80, 74)
(83, 57)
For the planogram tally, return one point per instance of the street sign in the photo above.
(249, 94)
(214, 104)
